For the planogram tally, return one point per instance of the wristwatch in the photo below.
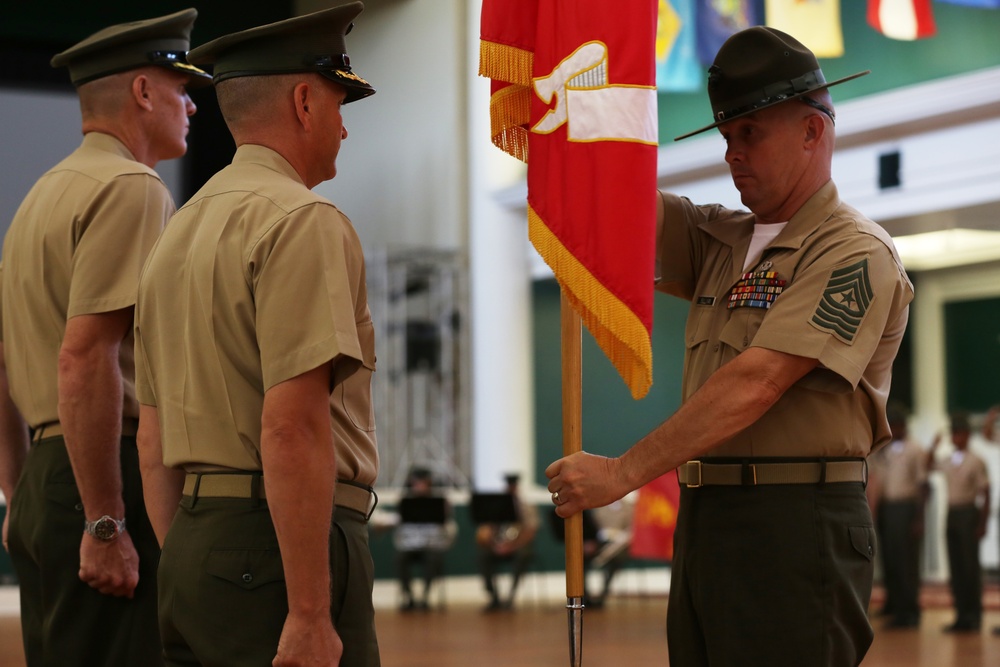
(106, 529)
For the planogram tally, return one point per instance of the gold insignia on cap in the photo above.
(349, 75)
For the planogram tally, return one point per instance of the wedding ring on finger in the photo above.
(555, 498)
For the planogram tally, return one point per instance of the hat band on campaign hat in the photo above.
(772, 94)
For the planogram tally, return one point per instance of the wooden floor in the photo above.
(628, 631)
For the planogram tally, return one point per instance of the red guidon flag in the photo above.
(574, 86)
(654, 519)
(902, 19)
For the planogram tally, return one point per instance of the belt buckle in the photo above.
(697, 466)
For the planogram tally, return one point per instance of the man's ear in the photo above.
(303, 99)
(815, 129)
(140, 92)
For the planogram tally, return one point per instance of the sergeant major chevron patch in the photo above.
(845, 301)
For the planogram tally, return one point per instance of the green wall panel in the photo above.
(612, 420)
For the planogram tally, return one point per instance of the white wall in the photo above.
(37, 130)
(418, 170)
(402, 171)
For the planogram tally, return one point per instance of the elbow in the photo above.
(766, 393)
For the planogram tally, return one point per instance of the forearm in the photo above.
(161, 486)
(13, 437)
(301, 465)
(732, 399)
(90, 411)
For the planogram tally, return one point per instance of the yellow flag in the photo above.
(815, 23)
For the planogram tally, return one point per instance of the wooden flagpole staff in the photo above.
(572, 425)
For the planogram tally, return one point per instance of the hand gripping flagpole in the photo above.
(572, 418)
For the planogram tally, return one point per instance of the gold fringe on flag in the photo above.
(615, 327)
(510, 112)
(505, 63)
(510, 106)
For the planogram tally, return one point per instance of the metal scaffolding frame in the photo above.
(419, 304)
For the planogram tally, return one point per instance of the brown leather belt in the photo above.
(702, 473)
(350, 495)
(130, 427)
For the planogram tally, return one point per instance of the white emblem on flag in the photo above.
(594, 109)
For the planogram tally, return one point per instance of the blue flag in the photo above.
(982, 4)
(718, 19)
(677, 67)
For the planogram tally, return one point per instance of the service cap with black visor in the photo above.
(287, 47)
(163, 41)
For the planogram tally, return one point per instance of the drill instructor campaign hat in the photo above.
(310, 43)
(757, 68)
(162, 41)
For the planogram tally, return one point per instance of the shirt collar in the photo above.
(266, 157)
(806, 220)
(107, 143)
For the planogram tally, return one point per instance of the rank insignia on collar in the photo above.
(845, 301)
(756, 289)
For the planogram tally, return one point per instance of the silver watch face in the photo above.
(105, 529)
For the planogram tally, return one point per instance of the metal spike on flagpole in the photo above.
(572, 407)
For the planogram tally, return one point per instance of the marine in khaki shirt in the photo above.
(79, 537)
(250, 301)
(968, 489)
(789, 348)
(54, 250)
(830, 287)
(255, 352)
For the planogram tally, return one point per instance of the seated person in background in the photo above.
(598, 551)
(421, 538)
(497, 542)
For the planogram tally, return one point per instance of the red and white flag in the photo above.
(902, 19)
(574, 88)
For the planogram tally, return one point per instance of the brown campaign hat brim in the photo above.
(757, 68)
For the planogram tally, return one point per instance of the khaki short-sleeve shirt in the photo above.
(255, 281)
(902, 466)
(967, 477)
(829, 287)
(75, 247)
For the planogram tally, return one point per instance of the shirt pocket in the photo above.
(741, 327)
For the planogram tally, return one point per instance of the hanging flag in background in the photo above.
(902, 19)
(815, 23)
(592, 143)
(981, 4)
(718, 19)
(677, 66)
(654, 519)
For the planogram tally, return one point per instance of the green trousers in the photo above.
(65, 622)
(223, 600)
(771, 576)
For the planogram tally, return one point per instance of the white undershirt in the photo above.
(763, 234)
